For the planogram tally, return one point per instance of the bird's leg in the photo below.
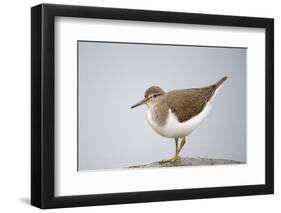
(178, 149)
(181, 145)
(176, 156)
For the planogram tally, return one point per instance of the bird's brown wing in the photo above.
(189, 102)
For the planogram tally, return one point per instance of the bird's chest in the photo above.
(152, 116)
(157, 120)
(153, 119)
(157, 116)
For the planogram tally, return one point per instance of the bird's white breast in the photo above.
(173, 128)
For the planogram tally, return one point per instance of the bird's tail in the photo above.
(219, 82)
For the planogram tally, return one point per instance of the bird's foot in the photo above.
(170, 160)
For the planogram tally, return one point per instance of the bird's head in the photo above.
(151, 96)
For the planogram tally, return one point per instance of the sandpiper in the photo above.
(177, 113)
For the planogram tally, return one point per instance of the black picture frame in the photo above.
(43, 102)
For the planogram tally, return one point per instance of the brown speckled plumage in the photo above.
(185, 103)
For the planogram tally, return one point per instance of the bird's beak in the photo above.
(139, 103)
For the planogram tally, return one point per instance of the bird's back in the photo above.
(188, 103)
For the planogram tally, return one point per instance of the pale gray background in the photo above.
(114, 76)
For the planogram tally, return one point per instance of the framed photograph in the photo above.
(139, 106)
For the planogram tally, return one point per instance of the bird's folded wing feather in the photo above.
(189, 102)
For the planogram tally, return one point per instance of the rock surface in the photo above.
(190, 162)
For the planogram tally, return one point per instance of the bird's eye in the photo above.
(154, 96)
